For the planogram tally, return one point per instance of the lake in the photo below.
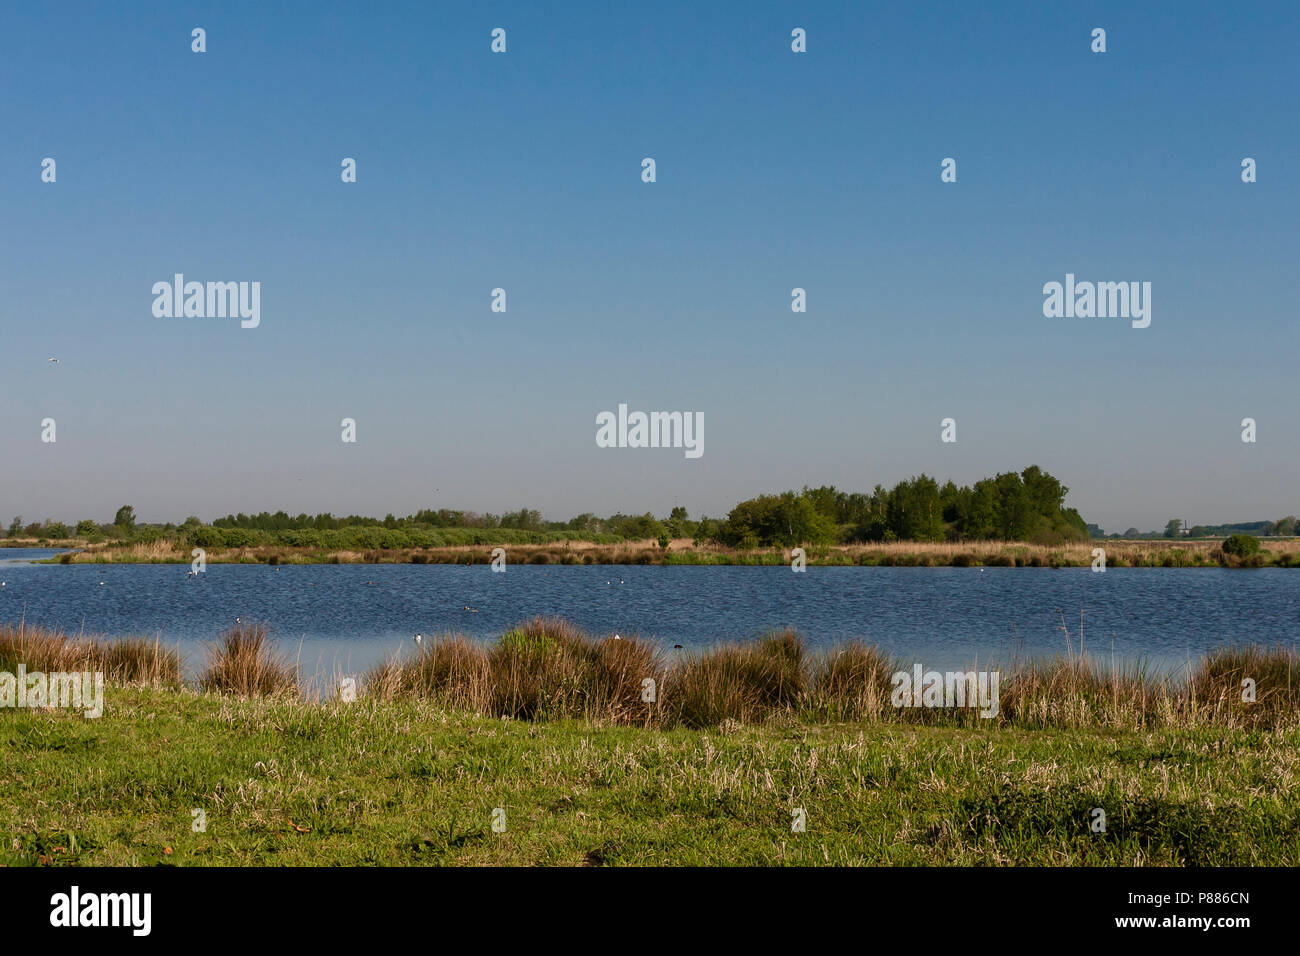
(347, 617)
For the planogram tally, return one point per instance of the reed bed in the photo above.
(242, 663)
(549, 669)
(545, 668)
(127, 661)
(1147, 553)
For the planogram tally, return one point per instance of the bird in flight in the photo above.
(54, 360)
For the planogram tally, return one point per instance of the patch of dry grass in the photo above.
(126, 661)
(242, 663)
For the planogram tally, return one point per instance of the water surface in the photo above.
(349, 616)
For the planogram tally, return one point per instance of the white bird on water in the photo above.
(419, 638)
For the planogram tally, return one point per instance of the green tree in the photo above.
(1173, 527)
(769, 520)
(1241, 545)
(982, 514)
(125, 518)
(915, 512)
(1015, 509)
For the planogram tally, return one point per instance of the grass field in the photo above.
(548, 733)
(284, 782)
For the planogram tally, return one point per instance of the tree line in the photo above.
(1024, 506)
(1013, 506)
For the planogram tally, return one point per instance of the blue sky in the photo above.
(775, 170)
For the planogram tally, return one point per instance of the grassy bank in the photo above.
(406, 782)
(549, 727)
(1281, 552)
(548, 669)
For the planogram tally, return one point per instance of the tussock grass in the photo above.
(852, 682)
(1074, 691)
(549, 669)
(242, 663)
(1216, 685)
(450, 669)
(127, 661)
(543, 669)
(744, 683)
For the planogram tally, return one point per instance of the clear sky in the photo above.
(522, 170)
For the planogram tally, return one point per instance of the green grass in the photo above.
(404, 782)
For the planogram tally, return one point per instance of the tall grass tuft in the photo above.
(852, 682)
(544, 668)
(451, 670)
(242, 663)
(1074, 691)
(744, 683)
(127, 661)
(1216, 686)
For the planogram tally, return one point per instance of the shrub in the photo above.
(1241, 545)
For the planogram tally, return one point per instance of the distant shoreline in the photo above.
(1147, 553)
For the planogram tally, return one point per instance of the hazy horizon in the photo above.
(522, 170)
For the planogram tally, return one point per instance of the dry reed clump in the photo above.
(451, 670)
(1075, 692)
(744, 683)
(548, 669)
(542, 669)
(127, 661)
(852, 682)
(242, 663)
(1270, 675)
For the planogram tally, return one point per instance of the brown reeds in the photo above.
(243, 664)
(550, 669)
(127, 661)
